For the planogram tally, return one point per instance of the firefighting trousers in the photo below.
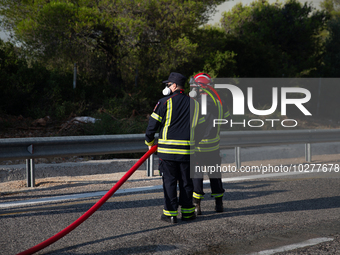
(173, 172)
(206, 159)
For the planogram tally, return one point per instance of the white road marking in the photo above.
(75, 196)
(130, 190)
(260, 176)
(290, 247)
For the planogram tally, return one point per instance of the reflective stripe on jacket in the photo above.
(176, 116)
(211, 138)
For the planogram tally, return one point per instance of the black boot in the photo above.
(192, 217)
(197, 203)
(170, 219)
(219, 204)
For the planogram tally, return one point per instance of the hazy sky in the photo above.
(3, 35)
(226, 6)
(221, 8)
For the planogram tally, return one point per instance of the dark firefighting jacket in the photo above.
(216, 109)
(176, 116)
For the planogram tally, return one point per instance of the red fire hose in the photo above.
(94, 208)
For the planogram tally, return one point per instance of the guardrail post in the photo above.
(238, 157)
(149, 166)
(308, 152)
(30, 172)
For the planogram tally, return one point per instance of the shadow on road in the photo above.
(129, 250)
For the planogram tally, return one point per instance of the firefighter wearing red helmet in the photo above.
(208, 151)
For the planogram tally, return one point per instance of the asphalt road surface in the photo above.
(264, 214)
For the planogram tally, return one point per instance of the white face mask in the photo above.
(166, 91)
(193, 93)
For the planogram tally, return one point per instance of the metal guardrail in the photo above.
(240, 139)
(277, 137)
(43, 147)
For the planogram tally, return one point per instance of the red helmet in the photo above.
(201, 79)
(204, 81)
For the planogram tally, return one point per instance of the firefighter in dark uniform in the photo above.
(208, 151)
(176, 116)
